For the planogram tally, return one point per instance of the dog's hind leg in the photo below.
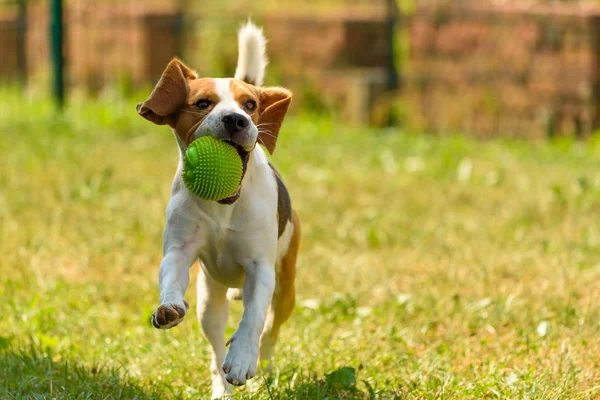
(284, 298)
(235, 294)
(213, 310)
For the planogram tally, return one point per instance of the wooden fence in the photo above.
(486, 70)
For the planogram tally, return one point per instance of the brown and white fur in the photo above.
(247, 243)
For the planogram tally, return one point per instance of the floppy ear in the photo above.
(273, 105)
(168, 95)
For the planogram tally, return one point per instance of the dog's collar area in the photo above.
(245, 156)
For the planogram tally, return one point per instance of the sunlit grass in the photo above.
(433, 267)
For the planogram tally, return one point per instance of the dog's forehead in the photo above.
(230, 89)
(221, 90)
(240, 88)
(202, 88)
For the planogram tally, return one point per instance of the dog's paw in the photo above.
(240, 362)
(221, 390)
(167, 316)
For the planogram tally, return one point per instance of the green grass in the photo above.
(430, 267)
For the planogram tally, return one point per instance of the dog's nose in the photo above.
(235, 122)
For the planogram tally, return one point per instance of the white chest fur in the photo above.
(228, 237)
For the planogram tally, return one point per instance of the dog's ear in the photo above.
(273, 105)
(169, 94)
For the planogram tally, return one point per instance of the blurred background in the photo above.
(520, 68)
(442, 157)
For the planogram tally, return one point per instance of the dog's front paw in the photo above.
(240, 362)
(167, 316)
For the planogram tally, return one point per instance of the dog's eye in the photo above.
(203, 104)
(250, 105)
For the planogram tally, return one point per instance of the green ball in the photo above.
(212, 169)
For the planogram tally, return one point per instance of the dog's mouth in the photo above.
(245, 156)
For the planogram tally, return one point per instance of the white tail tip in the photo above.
(252, 58)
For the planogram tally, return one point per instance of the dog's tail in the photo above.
(252, 58)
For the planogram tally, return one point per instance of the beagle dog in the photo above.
(247, 243)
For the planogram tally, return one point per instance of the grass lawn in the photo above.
(430, 267)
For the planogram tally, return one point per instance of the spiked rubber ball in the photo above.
(212, 169)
